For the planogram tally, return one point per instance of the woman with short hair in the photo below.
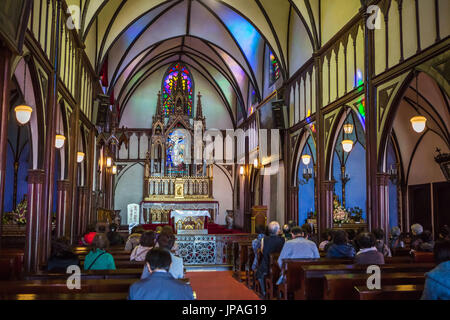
(147, 242)
(98, 258)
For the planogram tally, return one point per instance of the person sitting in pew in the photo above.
(272, 243)
(86, 240)
(166, 241)
(379, 243)
(147, 242)
(416, 231)
(114, 237)
(134, 238)
(298, 248)
(395, 241)
(327, 235)
(437, 281)
(426, 244)
(62, 256)
(444, 233)
(368, 253)
(159, 284)
(98, 258)
(340, 247)
(256, 244)
(308, 233)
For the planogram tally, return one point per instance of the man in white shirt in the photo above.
(298, 248)
(166, 241)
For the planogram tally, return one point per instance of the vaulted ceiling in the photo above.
(224, 40)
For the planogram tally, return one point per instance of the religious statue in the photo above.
(229, 219)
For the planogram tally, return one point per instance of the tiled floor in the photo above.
(219, 285)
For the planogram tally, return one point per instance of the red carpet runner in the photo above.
(219, 285)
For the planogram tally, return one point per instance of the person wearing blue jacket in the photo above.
(160, 284)
(437, 281)
(340, 248)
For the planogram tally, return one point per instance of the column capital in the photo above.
(36, 176)
(382, 179)
(63, 185)
(329, 185)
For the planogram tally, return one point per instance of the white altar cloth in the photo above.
(189, 213)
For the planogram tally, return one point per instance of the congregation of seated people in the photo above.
(361, 247)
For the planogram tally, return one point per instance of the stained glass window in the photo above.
(170, 85)
(274, 69)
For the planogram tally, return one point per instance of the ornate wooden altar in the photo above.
(172, 179)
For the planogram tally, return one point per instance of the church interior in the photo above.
(255, 140)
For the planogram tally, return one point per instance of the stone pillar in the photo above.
(35, 233)
(5, 66)
(82, 211)
(325, 217)
(381, 218)
(63, 187)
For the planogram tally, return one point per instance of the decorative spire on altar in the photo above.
(159, 115)
(199, 114)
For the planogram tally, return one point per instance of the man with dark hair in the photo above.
(437, 283)
(166, 240)
(340, 247)
(368, 253)
(160, 284)
(298, 248)
(114, 237)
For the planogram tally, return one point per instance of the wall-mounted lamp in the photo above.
(241, 170)
(256, 163)
(114, 169)
(108, 162)
(59, 141)
(80, 157)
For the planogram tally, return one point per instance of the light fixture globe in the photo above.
(347, 145)
(80, 157)
(348, 128)
(59, 141)
(241, 170)
(108, 162)
(306, 159)
(114, 169)
(256, 163)
(418, 123)
(23, 114)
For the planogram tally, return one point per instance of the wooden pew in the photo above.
(311, 277)
(91, 274)
(52, 286)
(291, 269)
(272, 277)
(7, 268)
(341, 286)
(240, 259)
(250, 273)
(66, 296)
(17, 267)
(291, 284)
(397, 292)
(423, 256)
